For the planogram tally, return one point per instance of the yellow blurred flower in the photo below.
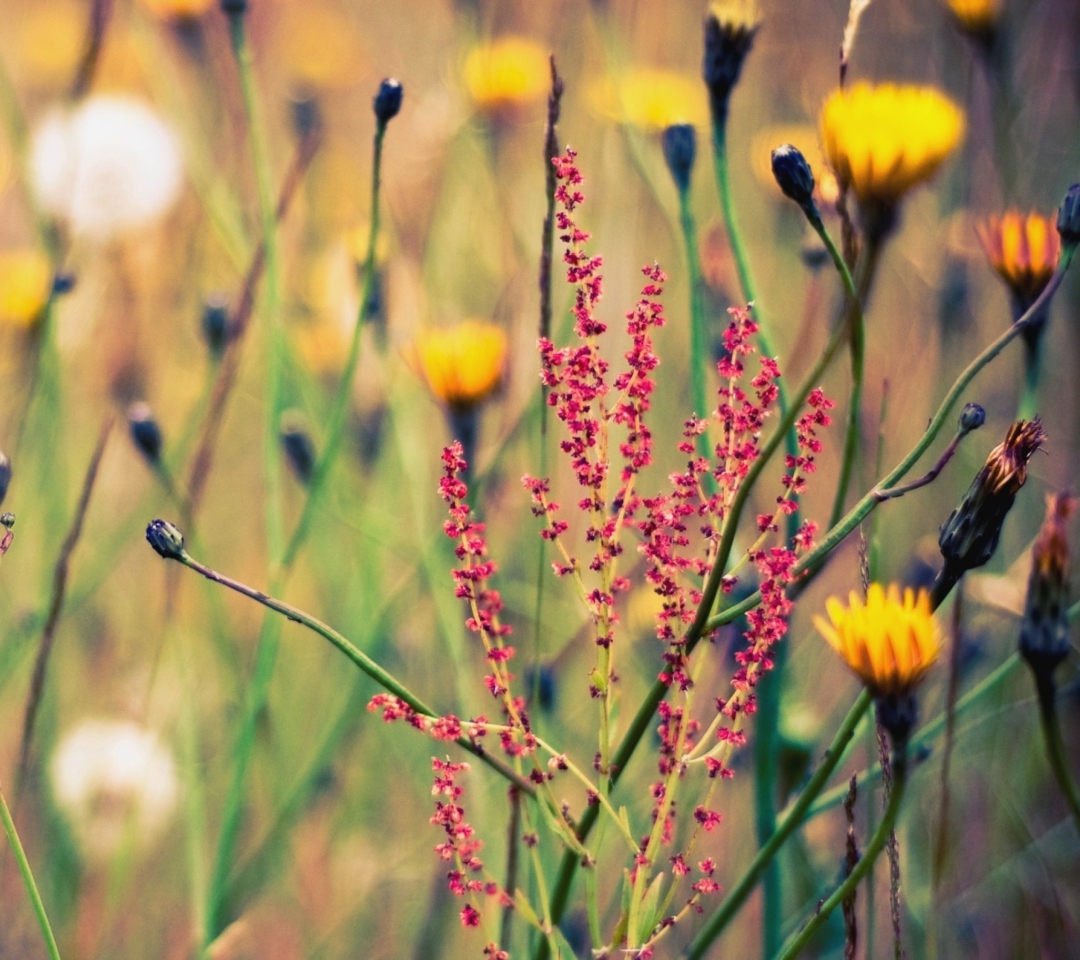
(506, 73)
(463, 365)
(320, 46)
(1024, 251)
(25, 283)
(650, 98)
(49, 41)
(178, 9)
(889, 642)
(976, 17)
(884, 139)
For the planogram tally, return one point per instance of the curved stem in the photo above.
(28, 879)
(1055, 747)
(792, 819)
(877, 843)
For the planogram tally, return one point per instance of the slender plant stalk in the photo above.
(1055, 747)
(699, 350)
(359, 659)
(28, 879)
(56, 604)
(795, 944)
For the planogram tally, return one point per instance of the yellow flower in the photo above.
(1023, 250)
(650, 98)
(178, 9)
(975, 17)
(883, 140)
(890, 643)
(507, 73)
(463, 365)
(25, 283)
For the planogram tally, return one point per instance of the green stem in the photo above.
(1029, 396)
(1055, 747)
(877, 843)
(699, 348)
(28, 879)
(359, 659)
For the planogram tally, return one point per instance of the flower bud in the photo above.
(297, 443)
(1044, 631)
(1068, 221)
(215, 324)
(680, 149)
(234, 8)
(306, 119)
(387, 101)
(63, 282)
(730, 26)
(166, 540)
(145, 433)
(969, 537)
(972, 417)
(5, 475)
(7, 520)
(793, 175)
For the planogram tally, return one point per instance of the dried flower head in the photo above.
(464, 364)
(25, 285)
(889, 641)
(109, 166)
(730, 26)
(1024, 250)
(1044, 631)
(649, 98)
(113, 781)
(977, 18)
(884, 139)
(969, 537)
(506, 74)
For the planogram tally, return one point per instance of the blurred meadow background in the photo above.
(192, 778)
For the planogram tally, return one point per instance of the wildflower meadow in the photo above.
(586, 479)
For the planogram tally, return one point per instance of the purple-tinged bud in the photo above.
(166, 540)
(145, 432)
(387, 101)
(793, 175)
(1068, 221)
(680, 149)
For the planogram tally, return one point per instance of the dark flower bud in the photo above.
(898, 714)
(1044, 631)
(5, 475)
(234, 8)
(7, 520)
(794, 176)
(298, 445)
(972, 417)
(215, 324)
(969, 537)
(306, 119)
(63, 282)
(680, 149)
(730, 26)
(145, 432)
(541, 680)
(166, 540)
(1068, 221)
(387, 101)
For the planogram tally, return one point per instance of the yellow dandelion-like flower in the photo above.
(507, 73)
(1023, 249)
(464, 364)
(975, 17)
(25, 283)
(650, 99)
(889, 642)
(884, 139)
(178, 9)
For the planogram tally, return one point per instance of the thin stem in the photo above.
(28, 879)
(792, 819)
(877, 843)
(382, 677)
(699, 350)
(1055, 747)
